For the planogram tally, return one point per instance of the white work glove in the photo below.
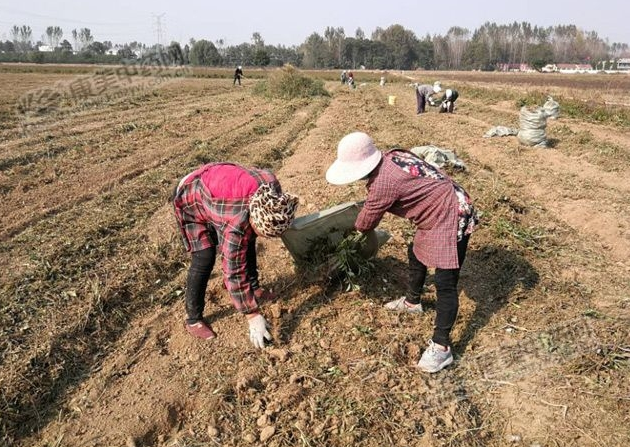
(258, 331)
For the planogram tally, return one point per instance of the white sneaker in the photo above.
(401, 305)
(434, 358)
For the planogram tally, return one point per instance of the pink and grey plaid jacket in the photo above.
(204, 208)
(407, 186)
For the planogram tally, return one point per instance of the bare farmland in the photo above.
(93, 349)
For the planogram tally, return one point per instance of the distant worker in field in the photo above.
(344, 77)
(448, 100)
(351, 80)
(238, 74)
(222, 208)
(403, 184)
(424, 93)
(382, 83)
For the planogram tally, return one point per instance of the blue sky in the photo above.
(291, 22)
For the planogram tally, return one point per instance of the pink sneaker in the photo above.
(201, 330)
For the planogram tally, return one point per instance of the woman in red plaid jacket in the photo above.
(401, 183)
(224, 207)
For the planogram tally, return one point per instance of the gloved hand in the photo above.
(258, 330)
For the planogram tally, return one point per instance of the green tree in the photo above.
(175, 53)
(8, 47)
(401, 45)
(424, 53)
(477, 53)
(36, 57)
(314, 50)
(65, 46)
(97, 48)
(203, 52)
(186, 54)
(261, 57)
(539, 55)
(126, 52)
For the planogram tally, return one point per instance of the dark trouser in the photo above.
(446, 285)
(199, 274)
(421, 102)
(237, 78)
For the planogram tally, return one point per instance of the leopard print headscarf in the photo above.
(272, 213)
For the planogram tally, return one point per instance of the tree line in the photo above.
(488, 47)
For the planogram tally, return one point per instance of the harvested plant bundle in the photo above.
(342, 256)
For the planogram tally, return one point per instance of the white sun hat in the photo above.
(357, 156)
(437, 86)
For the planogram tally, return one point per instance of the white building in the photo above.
(568, 68)
(623, 64)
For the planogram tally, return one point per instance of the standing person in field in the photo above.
(223, 207)
(423, 95)
(344, 78)
(448, 100)
(238, 73)
(401, 183)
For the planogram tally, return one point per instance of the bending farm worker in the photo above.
(423, 95)
(448, 100)
(403, 184)
(223, 207)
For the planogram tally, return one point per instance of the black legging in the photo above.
(421, 102)
(446, 281)
(199, 273)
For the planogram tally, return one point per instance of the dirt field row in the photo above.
(92, 345)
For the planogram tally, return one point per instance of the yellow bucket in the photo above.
(392, 100)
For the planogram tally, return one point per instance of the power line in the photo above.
(60, 19)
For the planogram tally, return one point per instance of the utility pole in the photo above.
(158, 29)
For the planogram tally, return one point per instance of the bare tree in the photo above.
(257, 40)
(335, 39)
(54, 35)
(457, 39)
(75, 38)
(86, 38)
(21, 36)
(220, 45)
(82, 38)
